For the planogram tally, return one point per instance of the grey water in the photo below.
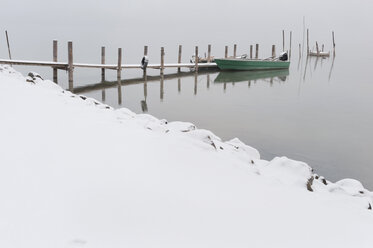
(319, 112)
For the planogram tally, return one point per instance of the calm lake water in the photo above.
(320, 111)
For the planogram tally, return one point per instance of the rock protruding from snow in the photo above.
(288, 171)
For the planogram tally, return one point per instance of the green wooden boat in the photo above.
(243, 64)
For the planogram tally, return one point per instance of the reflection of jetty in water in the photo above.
(244, 76)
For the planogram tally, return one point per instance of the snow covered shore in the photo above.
(76, 173)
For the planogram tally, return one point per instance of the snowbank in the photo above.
(76, 173)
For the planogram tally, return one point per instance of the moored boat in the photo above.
(244, 64)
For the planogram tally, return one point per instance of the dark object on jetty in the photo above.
(283, 56)
(144, 62)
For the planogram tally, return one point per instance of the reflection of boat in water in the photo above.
(241, 76)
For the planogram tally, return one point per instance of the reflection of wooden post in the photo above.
(333, 43)
(103, 62)
(283, 40)
(234, 50)
(251, 51)
(196, 59)
(322, 48)
(179, 58)
(317, 48)
(70, 64)
(162, 87)
(179, 85)
(308, 42)
(226, 52)
(162, 60)
(290, 45)
(55, 47)
(256, 51)
(273, 51)
(300, 51)
(208, 81)
(209, 53)
(195, 83)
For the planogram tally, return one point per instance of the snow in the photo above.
(77, 173)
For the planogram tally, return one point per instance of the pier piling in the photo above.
(103, 62)
(70, 66)
(55, 47)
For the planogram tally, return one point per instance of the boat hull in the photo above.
(250, 64)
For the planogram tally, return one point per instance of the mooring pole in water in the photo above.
(70, 66)
(290, 45)
(283, 40)
(55, 47)
(119, 68)
(226, 52)
(179, 57)
(102, 62)
(251, 51)
(308, 42)
(196, 59)
(162, 60)
(273, 51)
(234, 50)
(256, 51)
(145, 54)
(209, 53)
(333, 43)
(317, 48)
(7, 41)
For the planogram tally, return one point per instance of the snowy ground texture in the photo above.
(77, 173)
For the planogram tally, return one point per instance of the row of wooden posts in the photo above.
(70, 64)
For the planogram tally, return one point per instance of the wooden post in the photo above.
(333, 43)
(226, 52)
(55, 47)
(290, 45)
(7, 41)
(234, 50)
(273, 51)
(317, 48)
(308, 43)
(256, 51)
(251, 51)
(102, 62)
(196, 59)
(283, 40)
(119, 68)
(300, 51)
(179, 58)
(209, 53)
(162, 60)
(322, 47)
(70, 65)
(145, 54)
